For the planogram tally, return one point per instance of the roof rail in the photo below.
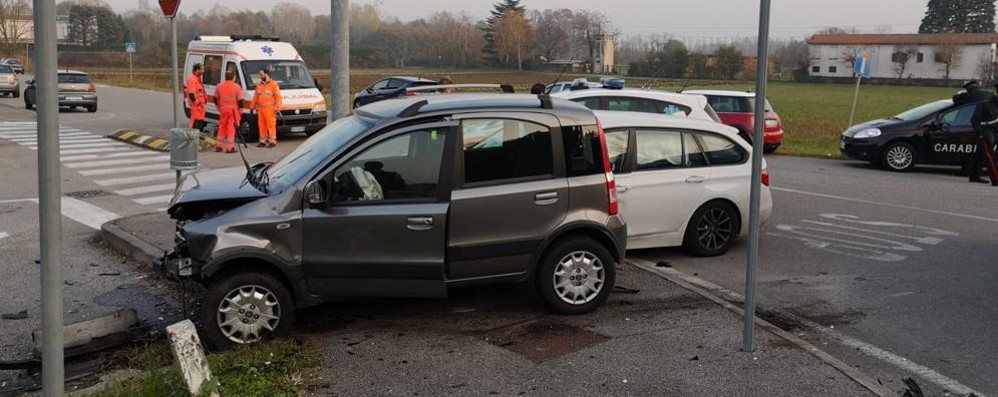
(505, 88)
(413, 109)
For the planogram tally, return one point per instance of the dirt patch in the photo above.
(543, 339)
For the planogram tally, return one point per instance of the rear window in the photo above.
(74, 79)
(504, 150)
(6, 69)
(721, 151)
(730, 104)
(584, 152)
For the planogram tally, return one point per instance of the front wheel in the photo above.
(92, 108)
(16, 94)
(246, 308)
(898, 157)
(712, 230)
(576, 275)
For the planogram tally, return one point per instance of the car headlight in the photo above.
(319, 107)
(867, 133)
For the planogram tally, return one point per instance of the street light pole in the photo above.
(339, 53)
(762, 74)
(176, 83)
(49, 197)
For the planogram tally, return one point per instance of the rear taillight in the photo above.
(765, 176)
(772, 123)
(410, 93)
(611, 184)
(92, 88)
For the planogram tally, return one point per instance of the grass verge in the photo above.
(276, 368)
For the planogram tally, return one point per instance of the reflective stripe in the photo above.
(992, 122)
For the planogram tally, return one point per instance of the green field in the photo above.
(813, 114)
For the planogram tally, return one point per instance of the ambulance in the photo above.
(303, 107)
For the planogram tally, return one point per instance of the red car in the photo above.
(737, 109)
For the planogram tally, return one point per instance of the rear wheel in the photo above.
(15, 94)
(92, 108)
(712, 230)
(576, 275)
(898, 157)
(246, 308)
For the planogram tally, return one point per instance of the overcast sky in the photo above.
(682, 18)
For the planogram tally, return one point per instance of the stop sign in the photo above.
(169, 7)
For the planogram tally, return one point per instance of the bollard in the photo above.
(184, 143)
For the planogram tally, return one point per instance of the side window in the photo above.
(960, 117)
(672, 109)
(659, 150)
(591, 102)
(380, 85)
(694, 155)
(212, 70)
(583, 150)
(231, 67)
(394, 83)
(616, 147)
(721, 151)
(404, 167)
(497, 149)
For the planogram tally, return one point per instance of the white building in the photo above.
(832, 55)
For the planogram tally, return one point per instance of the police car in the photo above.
(937, 133)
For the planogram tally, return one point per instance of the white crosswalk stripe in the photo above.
(143, 176)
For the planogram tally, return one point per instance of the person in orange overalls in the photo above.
(267, 102)
(196, 97)
(228, 99)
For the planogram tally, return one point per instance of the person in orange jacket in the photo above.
(267, 102)
(228, 99)
(196, 97)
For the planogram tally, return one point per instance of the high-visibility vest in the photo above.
(228, 95)
(196, 87)
(267, 95)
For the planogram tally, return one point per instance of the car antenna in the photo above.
(658, 75)
(563, 70)
(249, 170)
(685, 84)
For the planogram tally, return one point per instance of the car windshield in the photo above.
(924, 110)
(319, 147)
(4, 69)
(288, 74)
(74, 79)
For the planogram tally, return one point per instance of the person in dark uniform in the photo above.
(985, 121)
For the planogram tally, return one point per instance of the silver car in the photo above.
(75, 90)
(9, 85)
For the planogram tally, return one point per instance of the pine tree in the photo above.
(959, 16)
(978, 16)
(937, 16)
(498, 10)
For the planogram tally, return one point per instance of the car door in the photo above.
(510, 193)
(951, 139)
(383, 230)
(660, 192)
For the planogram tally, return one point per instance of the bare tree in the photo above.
(986, 69)
(902, 57)
(588, 31)
(551, 28)
(292, 21)
(949, 53)
(849, 55)
(512, 36)
(15, 16)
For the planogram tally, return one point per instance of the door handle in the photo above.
(695, 179)
(623, 188)
(419, 223)
(546, 198)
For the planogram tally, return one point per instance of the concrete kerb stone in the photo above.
(151, 142)
(693, 285)
(129, 244)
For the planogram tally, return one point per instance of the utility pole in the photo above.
(176, 83)
(762, 74)
(339, 53)
(49, 197)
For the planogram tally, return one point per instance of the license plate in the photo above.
(842, 145)
(297, 129)
(74, 98)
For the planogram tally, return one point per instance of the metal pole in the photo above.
(762, 73)
(49, 196)
(855, 99)
(176, 83)
(339, 53)
(130, 68)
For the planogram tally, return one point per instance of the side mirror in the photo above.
(314, 193)
(933, 125)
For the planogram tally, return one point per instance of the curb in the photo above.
(704, 289)
(128, 244)
(150, 142)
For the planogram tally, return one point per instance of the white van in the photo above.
(303, 106)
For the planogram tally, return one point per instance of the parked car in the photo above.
(405, 198)
(75, 90)
(562, 86)
(937, 133)
(9, 84)
(737, 109)
(644, 101)
(387, 88)
(14, 64)
(681, 182)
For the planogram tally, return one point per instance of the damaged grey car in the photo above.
(405, 198)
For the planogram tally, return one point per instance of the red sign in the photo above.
(169, 7)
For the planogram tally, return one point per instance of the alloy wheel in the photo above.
(247, 313)
(579, 277)
(714, 229)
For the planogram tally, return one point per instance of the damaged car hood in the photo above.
(225, 187)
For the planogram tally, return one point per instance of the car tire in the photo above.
(770, 149)
(898, 157)
(28, 105)
(92, 108)
(253, 295)
(713, 229)
(16, 94)
(575, 257)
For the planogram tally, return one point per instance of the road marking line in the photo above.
(3, 235)
(103, 163)
(866, 348)
(35, 135)
(146, 189)
(109, 171)
(135, 179)
(34, 142)
(86, 213)
(142, 139)
(100, 150)
(83, 145)
(900, 206)
(130, 153)
(155, 199)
